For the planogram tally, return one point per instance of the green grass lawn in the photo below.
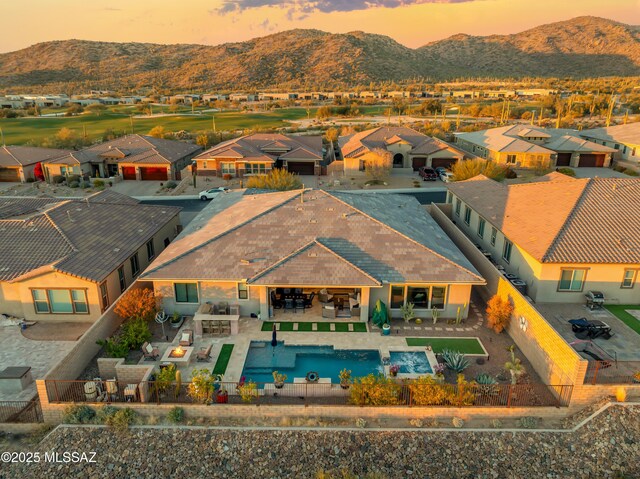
(223, 359)
(464, 345)
(619, 311)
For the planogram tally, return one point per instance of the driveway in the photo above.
(599, 172)
(137, 188)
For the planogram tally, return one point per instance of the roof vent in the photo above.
(313, 221)
(313, 255)
(344, 215)
(299, 208)
(330, 209)
(245, 261)
(115, 250)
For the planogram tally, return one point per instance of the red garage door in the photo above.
(301, 167)
(128, 173)
(418, 163)
(564, 159)
(591, 160)
(443, 162)
(153, 173)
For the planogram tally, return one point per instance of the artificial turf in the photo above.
(620, 312)
(463, 345)
(223, 359)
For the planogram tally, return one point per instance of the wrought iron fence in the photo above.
(20, 411)
(613, 372)
(405, 393)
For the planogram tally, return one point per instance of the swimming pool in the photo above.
(411, 362)
(297, 361)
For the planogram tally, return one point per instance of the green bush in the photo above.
(74, 184)
(78, 414)
(114, 347)
(98, 183)
(122, 419)
(104, 413)
(135, 333)
(171, 184)
(425, 391)
(176, 415)
(374, 390)
(567, 171)
(85, 184)
(72, 178)
(57, 179)
(510, 174)
(630, 172)
(31, 180)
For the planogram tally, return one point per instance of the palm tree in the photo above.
(514, 366)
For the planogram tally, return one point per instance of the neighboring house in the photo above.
(69, 260)
(527, 146)
(17, 162)
(562, 236)
(410, 149)
(259, 153)
(625, 139)
(73, 163)
(243, 248)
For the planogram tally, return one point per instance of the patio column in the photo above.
(264, 303)
(364, 304)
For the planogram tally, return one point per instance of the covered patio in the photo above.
(298, 304)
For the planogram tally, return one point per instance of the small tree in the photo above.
(499, 313)
(96, 108)
(463, 170)
(277, 179)
(139, 303)
(378, 164)
(158, 132)
(331, 135)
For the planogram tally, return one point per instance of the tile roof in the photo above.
(242, 237)
(72, 158)
(140, 149)
(266, 147)
(560, 219)
(383, 136)
(17, 206)
(577, 144)
(498, 139)
(629, 133)
(87, 238)
(27, 155)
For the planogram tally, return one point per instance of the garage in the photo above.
(564, 159)
(418, 163)
(153, 173)
(301, 167)
(129, 172)
(591, 160)
(9, 174)
(443, 162)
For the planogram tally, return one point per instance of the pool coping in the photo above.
(484, 355)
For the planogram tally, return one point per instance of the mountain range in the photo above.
(578, 48)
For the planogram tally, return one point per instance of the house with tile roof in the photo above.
(17, 163)
(625, 139)
(254, 249)
(69, 260)
(133, 157)
(527, 146)
(562, 236)
(259, 153)
(411, 149)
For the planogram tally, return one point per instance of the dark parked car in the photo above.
(428, 174)
(440, 170)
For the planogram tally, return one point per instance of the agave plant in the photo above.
(487, 384)
(455, 360)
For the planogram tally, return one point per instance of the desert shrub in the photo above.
(277, 179)
(416, 422)
(463, 170)
(464, 394)
(71, 178)
(201, 387)
(619, 168)
(176, 415)
(227, 177)
(31, 180)
(57, 179)
(630, 172)
(425, 391)
(98, 183)
(78, 414)
(135, 333)
(171, 185)
(85, 184)
(121, 419)
(248, 391)
(378, 164)
(361, 423)
(496, 423)
(374, 390)
(104, 413)
(138, 303)
(567, 171)
(74, 184)
(455, 360)
(499, 313)
(457, 422)
(528, 422)
(114, 347)
(510, 174)
(486, 384)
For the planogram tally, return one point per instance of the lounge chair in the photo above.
(324, 296)
(186, 337)
(204, 354)
(150, 352)
(308, 303)
(329, 312)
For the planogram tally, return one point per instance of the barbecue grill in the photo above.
(595, 299)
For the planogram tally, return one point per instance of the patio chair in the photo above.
(329, 312)
(288, 303)
(299, 305)
(186, 337)
(308, 303)
(223, 307)
(275, 302)
(150, 352)
(324, 296)
(204, 354)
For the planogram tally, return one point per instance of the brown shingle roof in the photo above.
(142, 149)
(27, 155)
(380, 137)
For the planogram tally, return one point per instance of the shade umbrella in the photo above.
(274, 336)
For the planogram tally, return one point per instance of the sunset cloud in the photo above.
(306, 7)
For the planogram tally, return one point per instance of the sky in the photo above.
(211, 22)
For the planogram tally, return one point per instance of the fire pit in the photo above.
(178, 354)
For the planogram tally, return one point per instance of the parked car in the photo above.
(428, 174)
(447, 177)
(211, 194)
(440, 170)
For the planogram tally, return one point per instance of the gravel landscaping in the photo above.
(608, 446)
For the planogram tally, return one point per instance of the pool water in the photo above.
(297, 361)
(411, 362)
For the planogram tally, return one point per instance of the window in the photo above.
(458, 204)
(397, 297)
(63, 171)
(122, 279)
(571, 280)
(419, 296)
(494, 233)
(467, 215)
(167, 241)
(256, 168)
(506, 250)
(204, 164)
(629, 278)
(60, 301)
(186, 292)
(104, 294)
(362, 165)
(228, 168)
(438, 294)
(243, 291)
(151, 252)
(481, 223)
(135, 265)
(449, 197)
(511, 159)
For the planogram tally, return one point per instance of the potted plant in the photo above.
(386, 329)
(176, 320)
(222, 396)
(345, 378)
(393, 370)
(438, 369)
(279, 379)
(312, 377)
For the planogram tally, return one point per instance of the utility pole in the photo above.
(2, 137)
(540, 117)
(131, 121)
(213, 122)
(533, 117)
